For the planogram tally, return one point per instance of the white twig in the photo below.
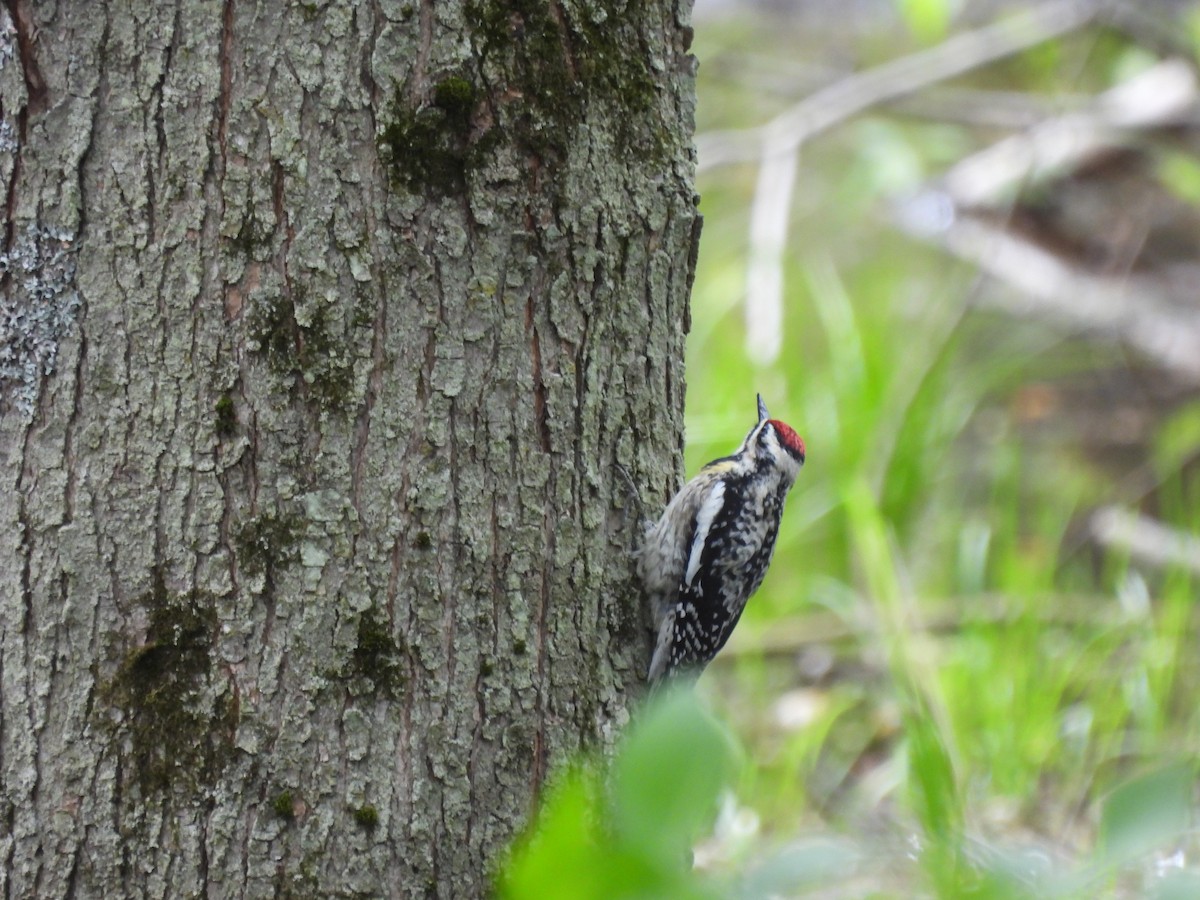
(769, 220)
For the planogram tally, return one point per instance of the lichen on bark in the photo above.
(39, 303)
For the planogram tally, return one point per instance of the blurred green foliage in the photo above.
(626, 830)
(928, 20)
(944, 687)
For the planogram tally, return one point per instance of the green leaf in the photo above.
(561, 853)
(628, 836)
(1146, 812)
(569, 854)
(667, 776)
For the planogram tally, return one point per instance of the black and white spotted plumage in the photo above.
(710, 550)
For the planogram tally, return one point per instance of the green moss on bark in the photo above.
(367, 817)
(377, 656)
(284, 805)
(225, 423)
(555, 73)
(428, 149)
(563, 71)
(268, 542)
(456, 97)
(309, 346)
(177, 728)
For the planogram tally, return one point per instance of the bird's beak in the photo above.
(763, 415)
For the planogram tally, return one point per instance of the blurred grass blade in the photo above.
(934, 784)
(932, 780)
(1178, 438)
(842, 334)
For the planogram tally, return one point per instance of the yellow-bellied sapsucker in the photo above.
(710, 550)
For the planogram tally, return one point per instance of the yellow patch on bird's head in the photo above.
(719, 465)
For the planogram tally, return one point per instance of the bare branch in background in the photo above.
(1140, 310)
(776, 144)
(1162, 95)
(1047, 286)
(850, 96)
(788, 79)
(1148, 541)
(989, 109)
(802, 633)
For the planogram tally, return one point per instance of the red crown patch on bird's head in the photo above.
(788, 437)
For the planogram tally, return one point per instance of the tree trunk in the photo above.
(323, 330)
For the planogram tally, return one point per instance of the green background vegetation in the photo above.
(945, 687)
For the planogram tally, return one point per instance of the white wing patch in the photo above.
(704, 519)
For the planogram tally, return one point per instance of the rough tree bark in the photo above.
(323, 329)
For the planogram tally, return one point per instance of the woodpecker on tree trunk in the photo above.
(710, 550)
